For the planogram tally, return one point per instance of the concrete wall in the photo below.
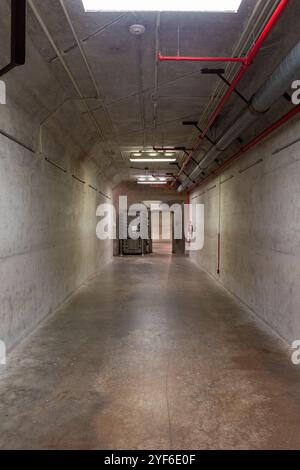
(258, 211)
(48, 239)
(48, 244)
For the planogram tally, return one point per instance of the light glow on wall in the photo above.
(162, 5)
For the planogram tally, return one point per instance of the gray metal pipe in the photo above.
(280, 80)
(276, 85)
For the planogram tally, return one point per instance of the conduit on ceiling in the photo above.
(246, 64)
(164, 58)
(266, 133)
(273, 88)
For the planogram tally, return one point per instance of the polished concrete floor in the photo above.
(152, 353)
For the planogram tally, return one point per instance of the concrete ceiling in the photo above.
(129, 79)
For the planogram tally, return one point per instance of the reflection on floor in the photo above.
(162, 248)
(151, 354)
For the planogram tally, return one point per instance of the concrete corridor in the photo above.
(151, 353)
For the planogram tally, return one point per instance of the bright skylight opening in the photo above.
(162, 5)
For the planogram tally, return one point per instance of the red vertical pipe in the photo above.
(187, 223)
(219, 254)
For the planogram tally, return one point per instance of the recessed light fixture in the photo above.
(153, 160)
(137, 154)
(169, 154)
(162, 5)
(152, 154)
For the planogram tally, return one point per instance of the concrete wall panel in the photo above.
(259, 212)
(48, 244)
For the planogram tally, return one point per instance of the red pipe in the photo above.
(248, 62)
(219, 254)
(164, 58)
(264, 35)
(251, 144)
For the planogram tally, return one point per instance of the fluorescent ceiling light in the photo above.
(137, 154)
(152, 182)
(162, 5)
(153, 160)
(169, 154)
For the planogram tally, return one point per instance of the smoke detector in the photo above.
(137, 29)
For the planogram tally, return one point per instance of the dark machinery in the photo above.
(136, 245)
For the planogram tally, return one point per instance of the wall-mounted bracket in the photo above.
(287, 97)
(208, 71)
(179, 168)
(235, 90)
(195, 124)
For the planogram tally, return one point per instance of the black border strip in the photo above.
(18, 36)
